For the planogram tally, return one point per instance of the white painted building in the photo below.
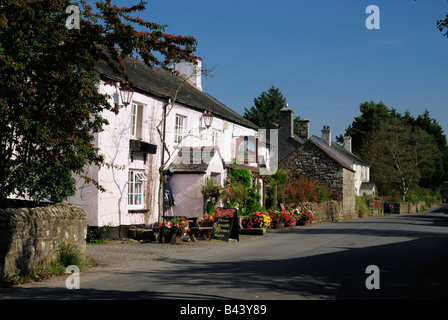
(133, 148)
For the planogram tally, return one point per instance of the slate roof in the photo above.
(332, 152)
(349, 155)
(366, 187)
(162, 84)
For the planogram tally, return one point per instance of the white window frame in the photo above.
(216, 136)
(136, 121)
(136, 179)
(179, 129)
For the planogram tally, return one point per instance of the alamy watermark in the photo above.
(373, 20)
(248, 149)
(73, 280)
(73, 19)
(373, 281)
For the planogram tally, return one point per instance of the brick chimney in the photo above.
(286, 123)
(326, 135)
(348, 143)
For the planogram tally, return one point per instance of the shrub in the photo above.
(301, 190)
(240, 193)
(361, 207)
(97, 234)
(68, 254)
(428, 196)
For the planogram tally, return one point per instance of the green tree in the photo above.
(266, 107)
(437, 173)
(404, 151)
(372, 116)
(50, 107)
(402, 154)
(442, 25)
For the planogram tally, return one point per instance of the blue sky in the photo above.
(318, 53)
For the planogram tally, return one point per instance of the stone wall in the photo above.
(316, 164)
(327, 211)
(409, 208)
(349, 195)
(313, 162)
(30, 237)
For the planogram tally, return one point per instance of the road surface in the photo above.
(318, 262)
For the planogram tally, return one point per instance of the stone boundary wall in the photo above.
(410, 208)
(30, 237)
(327, 211)
(333, 211)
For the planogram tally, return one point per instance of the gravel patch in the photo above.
(125, 253)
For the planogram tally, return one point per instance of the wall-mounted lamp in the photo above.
(126, 93)
(207, 118)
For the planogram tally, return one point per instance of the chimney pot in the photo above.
(326, 135)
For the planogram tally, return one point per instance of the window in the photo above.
(135, 189)
(215, 137)
(179, 129)
(136, 121)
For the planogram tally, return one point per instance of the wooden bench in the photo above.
(200, 232)
(196, 231)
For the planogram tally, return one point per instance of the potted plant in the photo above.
(304, 216)
(290, 219)
(279, 218)
(207, 220)
(172, 230)
(257, 220)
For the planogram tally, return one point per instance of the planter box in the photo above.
(141, 234)
(138, 146)
(253, 231)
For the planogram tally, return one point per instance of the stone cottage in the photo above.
(325, 161)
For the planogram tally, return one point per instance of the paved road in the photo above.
(322, 261)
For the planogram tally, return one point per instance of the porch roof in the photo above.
(193, 159)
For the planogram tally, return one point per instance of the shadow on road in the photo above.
(410, 269)
(93, 294)
(339, 275)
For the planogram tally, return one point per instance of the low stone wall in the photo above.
(328, 211)
(30, 237)
(410, 208)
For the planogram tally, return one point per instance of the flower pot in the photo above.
(176, 238)
(279, 226)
